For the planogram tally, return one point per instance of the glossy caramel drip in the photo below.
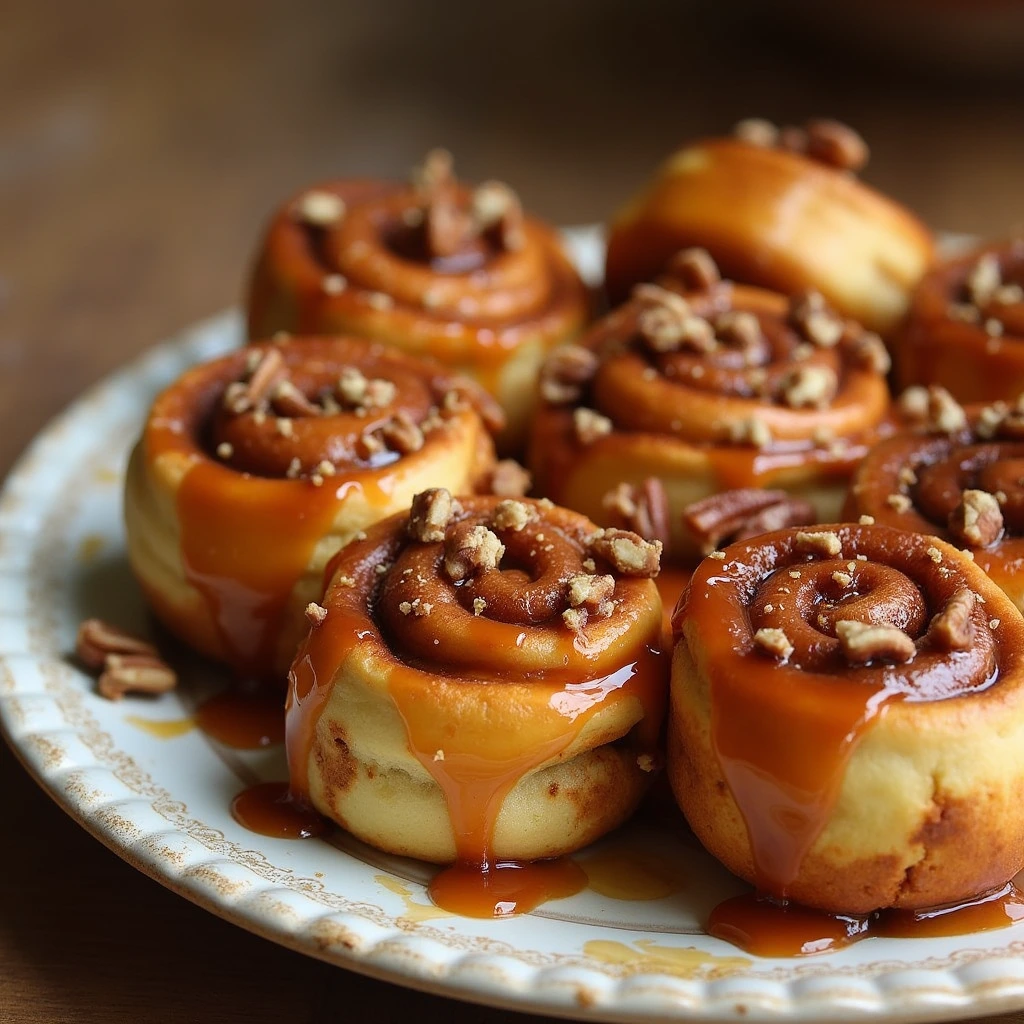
(243, 721)
(785, 778)
(269, 809)
(248, 532)
(506, 887)
(553, 683)
(768, 928)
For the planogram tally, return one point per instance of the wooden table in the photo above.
(140, 147)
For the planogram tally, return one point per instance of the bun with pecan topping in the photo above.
(847, 719)
(705, 386)
(782, 209)
(255, 468)
(957, 473)
(965, 328)
(434, 267)
(485, 685)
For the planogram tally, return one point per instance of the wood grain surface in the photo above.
(141, 146)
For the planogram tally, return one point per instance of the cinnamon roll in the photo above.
(779, 209)
(482, 682)
(253, 469)
(434, 268)
(847, 719)
(965, 327)
(708, 386)
(958, 474)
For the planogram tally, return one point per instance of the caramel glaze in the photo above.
(671, 412)
(247, 531)
(438, 670)
(243, 720)
(471, 309)
(269, 809)
(766, 927)
(785, 779)
(969, 358)
(944, 466)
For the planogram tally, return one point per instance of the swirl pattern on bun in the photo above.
(254, 468)
(482, 683)
(957, 473)
(847, 719)
(706, 385)
(434, 268)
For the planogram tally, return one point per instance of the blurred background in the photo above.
(143, 144)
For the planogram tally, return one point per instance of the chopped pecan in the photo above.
(862, 642)
(97, 639)
(461, 392)
(739, 327)
(813, 386)
(566, 372)
(627, 552)
(836, 144)
(509, 479)
(287, 400)
(264, 376)
(742, 513)
(774, 641)
(913, 405)
(945, 414)
(469, 549)
(758, 132)
(320, 209)
(590, 425)
(430, 514)
(871, 353)
(575, 619)
(984, 278)
(990, 420)
(498, 211)
(590, 592)
(643, 509)
(401, 434)
(977, 520)
(818, 543)
(953, 627)
(436, 170)
(511, 515)
(315, 613)
(752, 430)
(814, 320)
(135, 673)
(355, 391)
(447, 226)
(694, 269)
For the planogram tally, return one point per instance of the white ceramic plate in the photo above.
(156, 790)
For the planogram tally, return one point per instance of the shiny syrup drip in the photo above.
(269, 809)
(474, 777)
(245, 542)
(475, 784)
(243, 721)
(505, 888)
(768, 928)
